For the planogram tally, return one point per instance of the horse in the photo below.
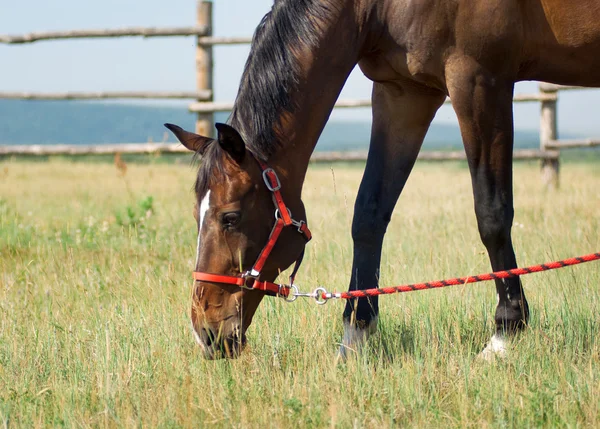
(417, 53)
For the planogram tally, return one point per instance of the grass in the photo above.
(95, 295)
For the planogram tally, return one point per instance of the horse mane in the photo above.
(271, 74)
(211, 169)
(270, 77)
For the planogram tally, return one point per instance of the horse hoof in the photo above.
(496, 348)
(344, 352)
(354, 339)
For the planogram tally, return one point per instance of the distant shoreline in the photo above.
(74, 122)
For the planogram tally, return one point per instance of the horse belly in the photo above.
(564, 42)
(566, 66)
(573, 24)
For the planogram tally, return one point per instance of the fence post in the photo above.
(549, 132)
(204, 67)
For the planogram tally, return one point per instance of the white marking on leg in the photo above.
(495, 348)
(355, 338)
(204, 205)
(506, 289)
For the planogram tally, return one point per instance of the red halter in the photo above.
(283, 218)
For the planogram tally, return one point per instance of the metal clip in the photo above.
(321, 295)
(298, 224)
(293, 294)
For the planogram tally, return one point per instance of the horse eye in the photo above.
(231, 219)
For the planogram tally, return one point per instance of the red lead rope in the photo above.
(323, 296)
(250, 279)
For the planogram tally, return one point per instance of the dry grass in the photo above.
(94, 298)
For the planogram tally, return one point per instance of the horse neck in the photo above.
(316, 97)
(323, 71)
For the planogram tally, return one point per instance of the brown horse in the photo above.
(416, 52)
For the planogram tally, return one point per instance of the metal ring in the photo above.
(277, 213)
(293, 295)
(318, 294)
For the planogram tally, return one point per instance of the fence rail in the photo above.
(205, 106)
(224, 40)
(459, 155)
(552, 87)
(155, 148)
(569, 144)
(226, 106)
(99, 149)
(198, 95)
(104, 33)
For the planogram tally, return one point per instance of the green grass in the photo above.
(95, 296)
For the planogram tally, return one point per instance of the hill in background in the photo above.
(72, 122)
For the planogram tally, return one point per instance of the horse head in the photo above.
(237, 215)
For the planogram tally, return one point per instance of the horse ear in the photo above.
(193, 142)
(231, 142)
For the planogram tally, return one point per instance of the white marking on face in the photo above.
(201, 213)
(206, 351)
(197, 337)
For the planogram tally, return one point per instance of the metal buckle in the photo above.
(265, 175)
(247, 276)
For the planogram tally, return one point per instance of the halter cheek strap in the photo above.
(283, 218)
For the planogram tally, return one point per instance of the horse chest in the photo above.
(396, 64)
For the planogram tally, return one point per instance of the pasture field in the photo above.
(95, 270)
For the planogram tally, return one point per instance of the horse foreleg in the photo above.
(401, 116)
(483, 104)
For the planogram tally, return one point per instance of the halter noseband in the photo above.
(283, 218)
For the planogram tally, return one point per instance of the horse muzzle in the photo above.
(216, 346)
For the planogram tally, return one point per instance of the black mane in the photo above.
(211, 169)
(269, 79)
(271, 72)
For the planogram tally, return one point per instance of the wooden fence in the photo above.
(549, 140)
(205, 106)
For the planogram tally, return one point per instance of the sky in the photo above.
(162, 64)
